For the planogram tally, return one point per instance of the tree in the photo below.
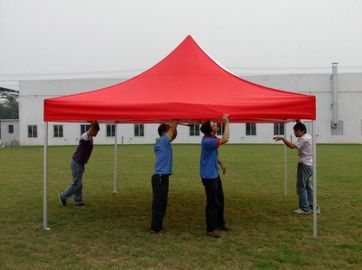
(9, 109)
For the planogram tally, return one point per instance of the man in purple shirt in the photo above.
(79, 159)
(209, 173)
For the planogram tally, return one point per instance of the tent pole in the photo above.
(314, 143)
(45, 179)
(115, 160)
(285, 165)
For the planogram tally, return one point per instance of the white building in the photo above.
(348, 110)
(9, 132)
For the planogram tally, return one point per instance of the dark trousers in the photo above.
(214, 203)
(159, 200)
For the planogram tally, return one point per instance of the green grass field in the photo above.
(111, 232)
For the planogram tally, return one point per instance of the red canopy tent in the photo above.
(187, 85)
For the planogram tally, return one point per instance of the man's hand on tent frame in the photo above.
(173, 123)
(225, 117)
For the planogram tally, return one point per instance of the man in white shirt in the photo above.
(305, 167)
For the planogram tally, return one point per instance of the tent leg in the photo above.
(285, 167)
(45, 179)
(115, 161)
(315, 228)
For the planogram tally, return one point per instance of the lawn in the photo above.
(111, 231)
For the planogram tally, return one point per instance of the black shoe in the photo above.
(224, 228)
(163, 231)
(214, 234)
(62, 200)
(79, 204)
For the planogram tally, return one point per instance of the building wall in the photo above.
(7, 138)
(32, 94)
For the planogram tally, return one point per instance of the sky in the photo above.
(43, 39)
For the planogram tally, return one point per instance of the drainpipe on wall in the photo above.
(334, 105)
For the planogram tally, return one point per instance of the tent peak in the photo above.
(188, 39)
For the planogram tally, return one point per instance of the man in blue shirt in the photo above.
(209, 172)
(160, 177)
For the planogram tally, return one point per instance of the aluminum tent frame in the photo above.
(45, 176)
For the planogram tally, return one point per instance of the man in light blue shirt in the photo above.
(209, 173)
(160, 177)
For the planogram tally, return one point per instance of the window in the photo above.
(84, 128)
(139, 130)
(11, 129)
(195, 130)
(221, 128)
(250, 129)
(32, 131)
(58, 131)
(279, 128)
(111, 130)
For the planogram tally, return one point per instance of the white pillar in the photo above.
(314, 143)
(45, 179)
(115, 160)
(285, 163)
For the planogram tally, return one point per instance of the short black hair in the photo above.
(162, 128)
(96, 127)
(206, 127)
(300, 126)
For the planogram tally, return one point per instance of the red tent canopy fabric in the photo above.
(187, 85)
